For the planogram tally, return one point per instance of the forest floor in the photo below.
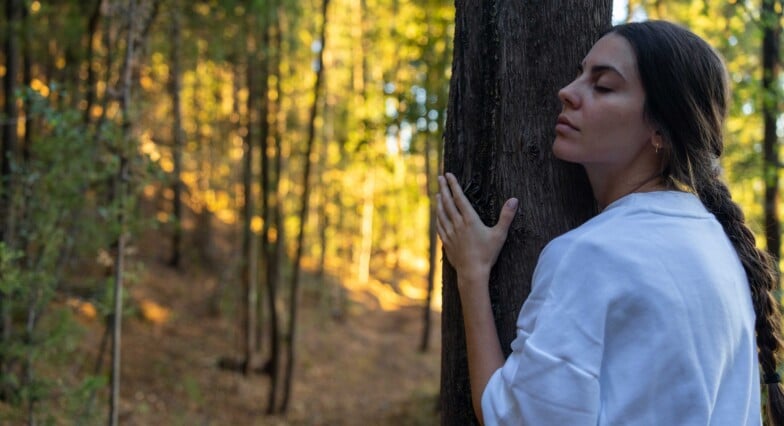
(363, 368)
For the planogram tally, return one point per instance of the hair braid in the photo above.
(763, 281)
(672, 59)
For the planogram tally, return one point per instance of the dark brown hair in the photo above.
(686, 88)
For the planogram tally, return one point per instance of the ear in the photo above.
(657, 140)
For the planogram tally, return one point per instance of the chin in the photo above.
(562, 152)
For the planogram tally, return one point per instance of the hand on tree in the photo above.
(471, 247)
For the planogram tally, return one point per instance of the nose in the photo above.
(568, 96)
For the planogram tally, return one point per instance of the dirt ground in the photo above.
(362, 369)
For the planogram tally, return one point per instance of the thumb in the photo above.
(507, 214)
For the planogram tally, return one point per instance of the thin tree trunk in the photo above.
(249, 256)
(771, 22)
(177, 133)
(35, 291)
(275, 257)
(510, 58)
(430, 185)
(366, 230)
(13, 11)
(264, 174)
(121, 184)
(92, 27)
(433, 143)
(323, 219)
(303, 215)
(27, 77)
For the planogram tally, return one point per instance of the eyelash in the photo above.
(599, 89)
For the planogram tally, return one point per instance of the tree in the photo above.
(303, 215)
(175, 87)
(13, 11)
(510, 58)
(771, 26)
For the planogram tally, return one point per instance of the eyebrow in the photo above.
(599, 69)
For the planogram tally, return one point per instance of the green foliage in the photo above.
(61, 216)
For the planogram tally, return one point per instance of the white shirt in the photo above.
(641, 316)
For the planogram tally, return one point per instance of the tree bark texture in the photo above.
(510, 59)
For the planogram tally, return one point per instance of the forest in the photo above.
(221, 212)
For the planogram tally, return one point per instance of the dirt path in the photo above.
(362, 370)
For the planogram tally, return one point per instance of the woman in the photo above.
(648, 313)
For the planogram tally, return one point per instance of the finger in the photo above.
(441, 216)
(460, 200)
(448, 203)
(507, 214)
(441, 232)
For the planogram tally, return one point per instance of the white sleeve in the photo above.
(552, 373)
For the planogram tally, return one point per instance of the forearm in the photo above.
(482, 345)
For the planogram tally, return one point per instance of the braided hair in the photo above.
(673, 60)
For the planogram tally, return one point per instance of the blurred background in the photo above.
(218, 212)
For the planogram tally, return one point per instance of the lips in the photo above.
(565, 124)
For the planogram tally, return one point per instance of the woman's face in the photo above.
(601, 125)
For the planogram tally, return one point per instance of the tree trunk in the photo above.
(365, 248)
(249, 246)
(433, 144)
(265, 257)
(510, 58)
(276, 248)
(27, 77)
(303, 215)
(92, 28)
(121, 183)
(432, 256)
(771, 22)
(9, 122)
(177, 134)
(13, 11)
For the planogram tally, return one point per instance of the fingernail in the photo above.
(513, 203)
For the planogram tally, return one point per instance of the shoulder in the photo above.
(604, 239)
(625, 247)
(638, 224)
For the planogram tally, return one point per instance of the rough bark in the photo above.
(510, 58)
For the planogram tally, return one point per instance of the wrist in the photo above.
(473, 286)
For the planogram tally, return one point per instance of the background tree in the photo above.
(13, 11)
(770, 20)
(510, 59)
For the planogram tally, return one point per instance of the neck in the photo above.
(607, 190)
